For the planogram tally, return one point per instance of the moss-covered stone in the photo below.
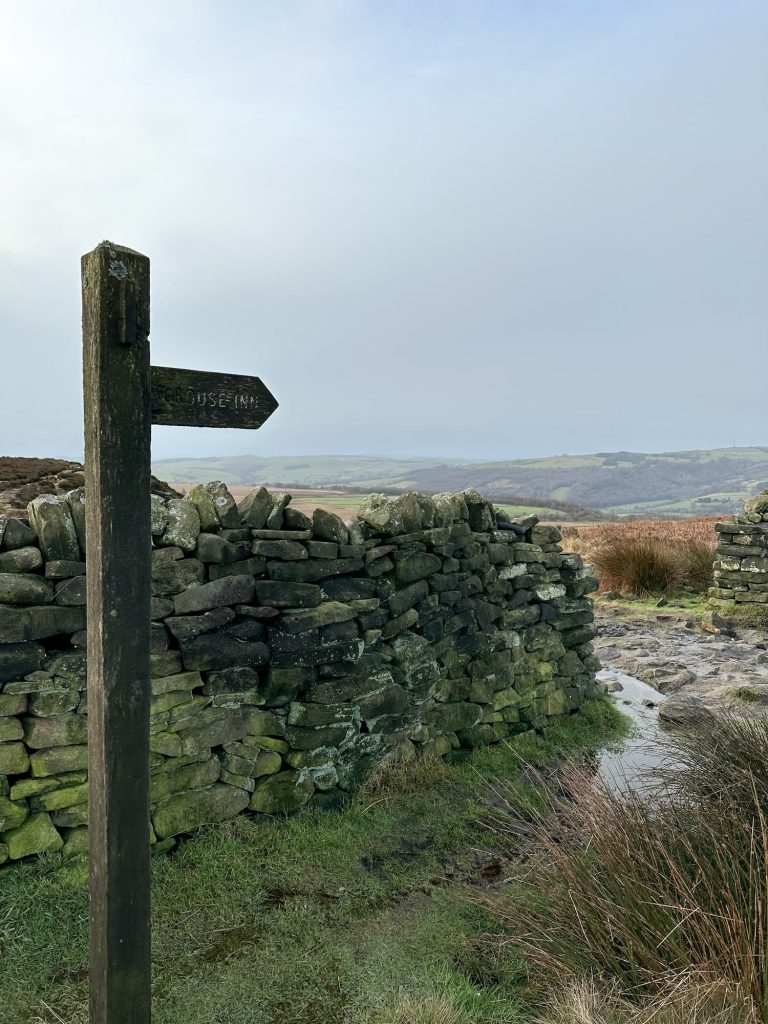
(438, 747)
(12, 813)
(37, 622)
(75, 842)
(455, 717)
(13, 704)
(35, 835)
(24, 788)
(56, 760)
(185, 811)
(229, 590)
(68, 796)
(14, 759)
(282, 793)
(555, 703)
(51, 703)
(15, 533)
(216, 651)
(173, 577)
(309, 716)
(172, 780)
(10, 729)
(267, 743)
(58, 731)
(265, 762)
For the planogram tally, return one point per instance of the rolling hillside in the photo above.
(706, 482)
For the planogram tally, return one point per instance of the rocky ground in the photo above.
(23, 479)
(695, 665)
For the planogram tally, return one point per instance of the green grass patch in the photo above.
(542, 511)
(360, 915)
(744, 616)
(683, 601)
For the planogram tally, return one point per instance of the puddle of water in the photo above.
(628, 767)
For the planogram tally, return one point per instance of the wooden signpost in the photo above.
(123, 396)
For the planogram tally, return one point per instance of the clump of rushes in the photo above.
(696, 561)
(649, 557)
(660, 899)
(639, 566)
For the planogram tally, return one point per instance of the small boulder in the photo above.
(684, 712)
(183, 527)
(282, 793)
(254, 508)
(51, 519)
(328, 526)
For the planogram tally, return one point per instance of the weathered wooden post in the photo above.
(117, 386)
(123, 396)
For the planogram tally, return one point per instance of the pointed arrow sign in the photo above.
(196, 398)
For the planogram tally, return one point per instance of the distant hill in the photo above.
(706, 482)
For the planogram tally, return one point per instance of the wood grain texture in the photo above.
(196, 398)
(116, 381)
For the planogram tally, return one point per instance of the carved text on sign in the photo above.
(220, 399)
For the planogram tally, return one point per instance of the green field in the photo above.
(710, 481)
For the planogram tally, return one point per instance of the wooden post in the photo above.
(116, 381)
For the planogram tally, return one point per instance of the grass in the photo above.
(649, 557)
(585, 1002)
(359, 915)
(747, 616)
(542, 511)
(659, 899)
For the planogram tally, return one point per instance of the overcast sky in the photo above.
(433, 227)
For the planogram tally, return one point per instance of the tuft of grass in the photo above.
(658, 896)
(746, 616)
(434, 1009)
(402, 776)
(637, 565)
(586, 1002)
(695, 559)
(648, 557)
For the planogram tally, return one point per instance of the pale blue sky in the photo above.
(471, 229)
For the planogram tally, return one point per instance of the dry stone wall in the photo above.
(741, 566)
(290, 655)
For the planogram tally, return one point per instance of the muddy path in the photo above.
(692, 665)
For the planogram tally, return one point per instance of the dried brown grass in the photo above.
(433, 1009)
(648, 556)
(660, 897)
(585, 1002)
